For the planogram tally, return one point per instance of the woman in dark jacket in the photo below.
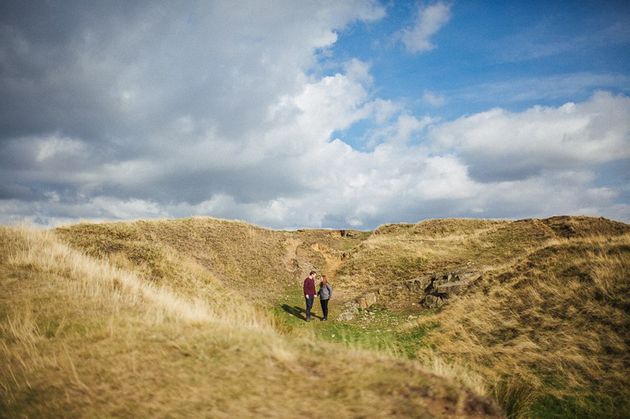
(325, 293)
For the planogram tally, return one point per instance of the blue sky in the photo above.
(331, 114)
(512, 55)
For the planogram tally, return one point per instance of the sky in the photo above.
(333, 114)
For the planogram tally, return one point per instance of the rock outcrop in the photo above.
(351, 308)
(439, 287)
(366, 300)
(349, 312)
(433, 291)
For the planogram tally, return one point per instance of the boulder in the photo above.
(366, 300)
(452, 288)
(433, 301)
(439, 287)
(350, 310)
(418, 284)
(346, 316)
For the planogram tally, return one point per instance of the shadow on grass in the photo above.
(296, 311)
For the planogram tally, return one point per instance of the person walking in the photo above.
(309, 293)
(325, 294)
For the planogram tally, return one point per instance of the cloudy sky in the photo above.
(313, 113)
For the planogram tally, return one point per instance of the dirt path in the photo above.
(291, 261)
(333, 262)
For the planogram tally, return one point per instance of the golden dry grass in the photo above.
(233, 252)
(171, 318)
(547, 326)
(555, 324)
(83, 337)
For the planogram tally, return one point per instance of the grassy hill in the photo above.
(550, 329)
(84, 337)
(201, 317)
(546, 326)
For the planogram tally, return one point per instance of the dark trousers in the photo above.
(309, 306)
(324, 308)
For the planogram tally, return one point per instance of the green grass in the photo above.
(585, 403)
(375, 329)
(584, 406)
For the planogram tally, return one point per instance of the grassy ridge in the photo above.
(234, 252)
(83, 337)
(549, 331)
(546, 327)
(558, 320)
(255, 261)
(543, 331)
(404, 251)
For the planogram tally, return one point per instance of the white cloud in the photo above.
(499, 145)
(429, 21)
(358, 70)
(550, 193)
(54, 146)
(333, 103)
(541, 88)
(336, 185)
(384, 110)
(404, 129)
(434, 99)
(216, 113)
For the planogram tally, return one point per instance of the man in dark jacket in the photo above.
(309, 293)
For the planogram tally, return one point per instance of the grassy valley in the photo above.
(202, 317)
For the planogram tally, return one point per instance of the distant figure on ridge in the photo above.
(325, 293)
(309, 293)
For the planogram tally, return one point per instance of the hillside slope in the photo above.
(543, 327)
(255, 261)
(81, 337)
(399, 252)
(553, 327)
(547, 320)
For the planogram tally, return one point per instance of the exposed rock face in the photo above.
(351, 308)
(433, 301)
(418, 284)
(449, 288)
(433, 291)
(439, 287)
(366, 300)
